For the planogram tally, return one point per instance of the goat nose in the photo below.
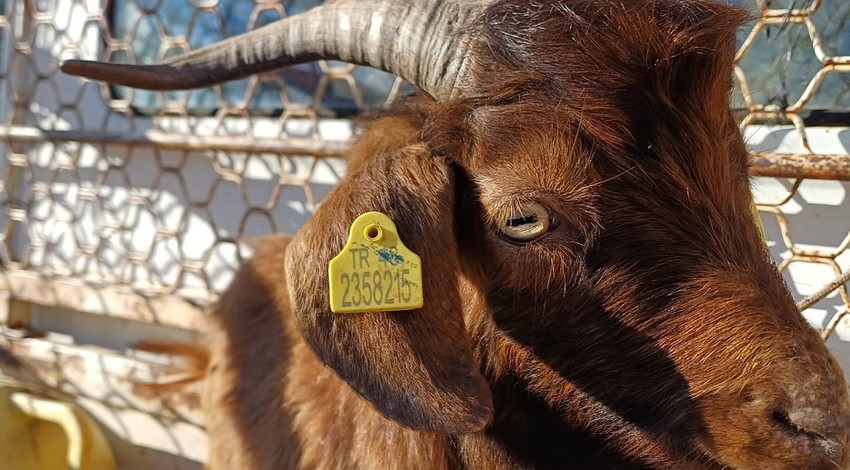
(810, 423)
(818, 425)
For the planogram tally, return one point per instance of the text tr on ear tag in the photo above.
(375, 272)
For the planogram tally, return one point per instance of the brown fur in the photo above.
(647, 329)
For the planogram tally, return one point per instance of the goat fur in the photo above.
(647, 329)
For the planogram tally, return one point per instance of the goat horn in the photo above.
(421, 41)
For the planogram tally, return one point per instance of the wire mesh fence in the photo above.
(137, 206)
(152, 192)
(793, 79)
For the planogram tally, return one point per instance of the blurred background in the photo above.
(125, 213)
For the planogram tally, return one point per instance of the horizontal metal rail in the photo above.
(797, 165)
(156, 138)
(778, 165)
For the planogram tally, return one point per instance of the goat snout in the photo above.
(784, 424)
(818, 430)
(816, 422)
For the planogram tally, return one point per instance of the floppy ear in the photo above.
(416, 367)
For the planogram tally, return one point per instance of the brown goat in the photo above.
(640, 325)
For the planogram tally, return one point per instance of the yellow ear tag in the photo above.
(375, 272)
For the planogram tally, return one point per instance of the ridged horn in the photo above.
(424, 42)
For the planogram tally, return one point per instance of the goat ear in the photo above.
(416, 367)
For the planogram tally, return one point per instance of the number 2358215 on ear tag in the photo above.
(375, 272)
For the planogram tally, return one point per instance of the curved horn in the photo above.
(422, 41)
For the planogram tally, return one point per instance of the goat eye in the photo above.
(528, 223)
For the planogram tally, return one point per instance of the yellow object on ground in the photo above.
(38, 433)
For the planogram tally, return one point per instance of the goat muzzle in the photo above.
(804, 427)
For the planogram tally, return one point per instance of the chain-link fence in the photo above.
(125, 212)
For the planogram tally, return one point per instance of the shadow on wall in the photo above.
(153, 217)
(816, 214)
(177, 212)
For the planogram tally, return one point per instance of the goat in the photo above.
(596, 292)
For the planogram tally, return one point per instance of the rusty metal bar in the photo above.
(826, 290)
(778, 165)
(795, 165)
(155, 138)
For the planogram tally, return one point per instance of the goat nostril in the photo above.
(784, 421)
(820, 431)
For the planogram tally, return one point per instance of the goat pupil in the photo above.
(523, 220)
